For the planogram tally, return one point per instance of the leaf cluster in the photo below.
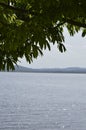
(27, 27)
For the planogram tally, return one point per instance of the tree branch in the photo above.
(65, 20)
(75, 23)
(60, 23)
(13, 8)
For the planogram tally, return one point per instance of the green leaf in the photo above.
(61, 47)
(84, 33)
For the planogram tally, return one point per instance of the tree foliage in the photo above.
(27, 27)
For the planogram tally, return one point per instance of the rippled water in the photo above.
(42, 101)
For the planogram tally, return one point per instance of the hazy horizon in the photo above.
(54, 68)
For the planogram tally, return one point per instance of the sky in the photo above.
(75, 56)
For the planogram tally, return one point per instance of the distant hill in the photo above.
(22, 69)
(50, 70)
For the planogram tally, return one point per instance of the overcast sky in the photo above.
(75, 56)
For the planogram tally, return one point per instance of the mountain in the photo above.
(50, 70)
(22, 69)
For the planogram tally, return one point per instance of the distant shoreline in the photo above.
(72, 70)
(43, 72)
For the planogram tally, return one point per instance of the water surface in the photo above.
(42, 101)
